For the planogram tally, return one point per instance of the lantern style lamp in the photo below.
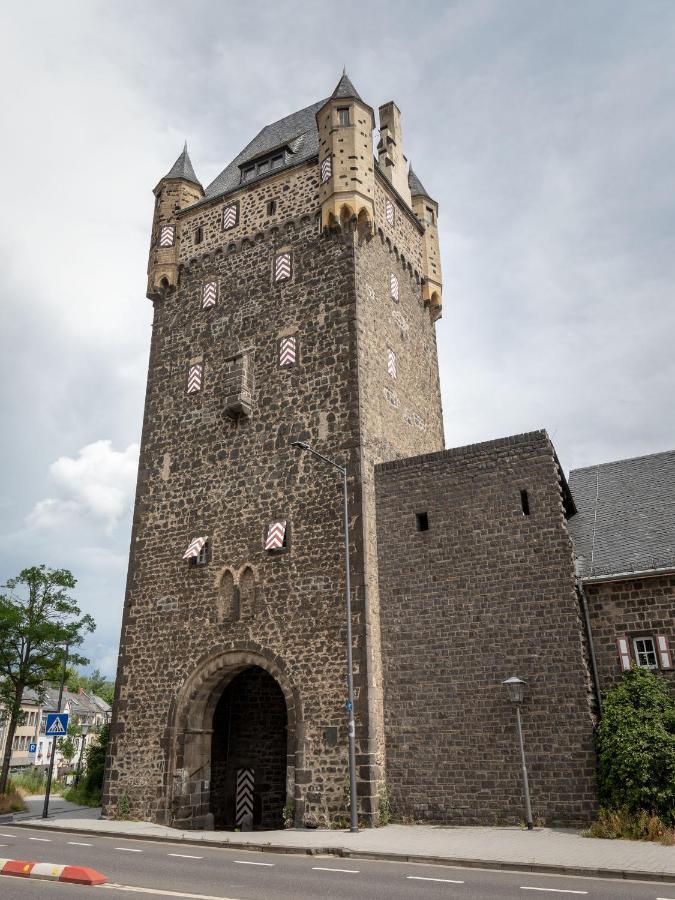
(516, 690)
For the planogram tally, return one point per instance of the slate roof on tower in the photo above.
(345, 90)
(298, 132)
(416, 186)
(182, 168)
(625, 519)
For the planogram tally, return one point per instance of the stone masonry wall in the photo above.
(202, 473)
(485, 593)
(636, 607)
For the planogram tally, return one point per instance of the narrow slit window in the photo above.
(393, 286)
(199, 234)
(326, 170)
(525, 503)
(271, 207)
(421, 521)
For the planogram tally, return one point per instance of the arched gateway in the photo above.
(236, 711)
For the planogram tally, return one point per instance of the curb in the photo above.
(382, 856)
(51, 872)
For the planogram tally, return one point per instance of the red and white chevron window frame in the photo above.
(393, 286)
(230, 215)
(167, 236)
(283, 266)
(391, 363)
(195, 377)
(390, 212)
(288, 351)
(276, 536)
(326, 169)
(209, 294)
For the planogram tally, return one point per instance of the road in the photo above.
(161, 869)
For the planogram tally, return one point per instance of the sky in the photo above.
(545, 131)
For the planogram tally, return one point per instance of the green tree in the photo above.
(67, 746)
(636, 746)
(38, 620)
(96, 683)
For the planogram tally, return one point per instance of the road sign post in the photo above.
(54, 718)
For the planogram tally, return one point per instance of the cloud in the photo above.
(97, 485)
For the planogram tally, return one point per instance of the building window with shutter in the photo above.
(276, 537)
(624, 653)
(288, 350)
(282, 266)
(209, 294)
(230, 215)
(167, 236)
(326, 170)
(665, 657)
(393, 286)
(194, 381)
(390, 212)
(645, 652)
(197, 553)
(391, 363)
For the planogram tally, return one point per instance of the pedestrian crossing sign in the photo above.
(57, 724)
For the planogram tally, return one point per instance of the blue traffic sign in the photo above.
(57, 724)
(32, 748)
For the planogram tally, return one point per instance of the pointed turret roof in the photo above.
(415, 185)
(182, 168)
(345, 89)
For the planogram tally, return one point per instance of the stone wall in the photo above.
(485, 593)
(635, 607)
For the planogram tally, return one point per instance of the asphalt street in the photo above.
(161, 869)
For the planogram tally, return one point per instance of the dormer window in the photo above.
(263, 165)
(343, 116)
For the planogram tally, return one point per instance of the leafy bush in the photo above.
(636, 748)
(88, 791)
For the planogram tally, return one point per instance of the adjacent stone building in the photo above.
(295, 299)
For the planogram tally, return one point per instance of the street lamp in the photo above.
(516, 691)
(354, 827)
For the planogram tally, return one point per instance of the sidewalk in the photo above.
(541, 850)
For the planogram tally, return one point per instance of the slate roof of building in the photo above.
(297, 131)
(415, 185)
(626, 515)
(182, 168)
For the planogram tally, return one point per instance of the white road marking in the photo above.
(7, 835)
(665, 898)
(44, 840)
(160, 892)
(327, 869)
(551, 890)
(79, 844)
(423, 878)
(246, 862)
(128, 849)
(186, 856)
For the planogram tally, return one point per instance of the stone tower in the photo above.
(294, 299)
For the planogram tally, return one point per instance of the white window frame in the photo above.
(637, 652)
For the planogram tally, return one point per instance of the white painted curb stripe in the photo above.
(46, 870)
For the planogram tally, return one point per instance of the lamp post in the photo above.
(516, 690)
(354, 826)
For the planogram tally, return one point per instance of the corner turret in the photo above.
(347, 186)
(176, 190)
(390, 150)
(426, 211)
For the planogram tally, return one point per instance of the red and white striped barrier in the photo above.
(51, 872)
